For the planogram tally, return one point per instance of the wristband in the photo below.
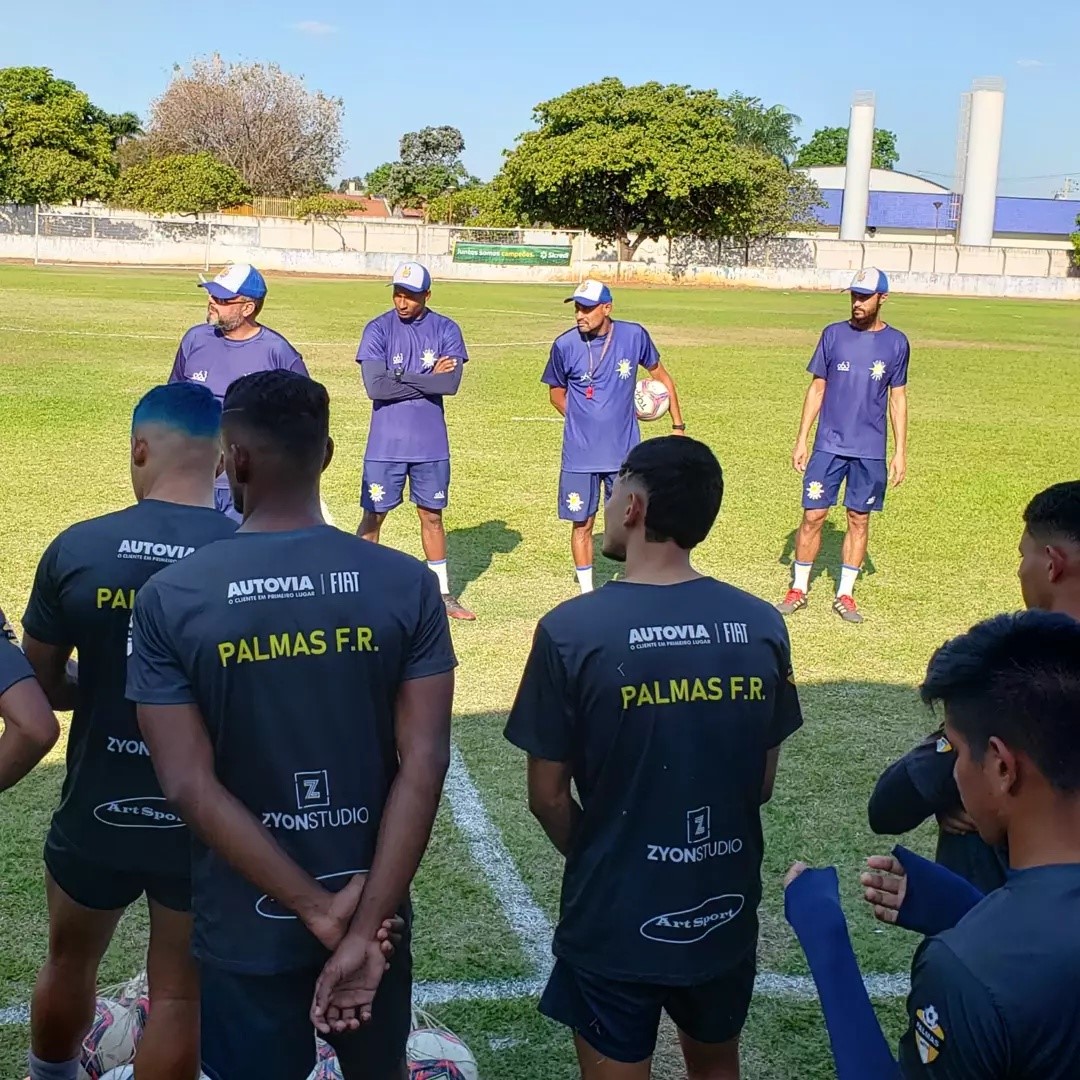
(678, 427)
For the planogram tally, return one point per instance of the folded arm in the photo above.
(380, 385)
(444, 383)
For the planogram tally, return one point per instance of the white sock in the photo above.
(584, 578)
(439, 570)
(802, 576)
(848, 574)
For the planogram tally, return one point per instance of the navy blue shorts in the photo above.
(383, 484)
(99, 887)
(257, 1027)
(621, 1019)
(867, 479)
(579, 494)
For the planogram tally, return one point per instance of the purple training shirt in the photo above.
(414, 429)
(601, 423)
(859, 367)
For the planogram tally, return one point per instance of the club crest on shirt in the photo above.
(943, 745)
(624, 369)
(877, 370)
(427, 358)
(929, 1034)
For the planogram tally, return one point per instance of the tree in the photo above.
(180, 184)
(643, 161)
(55, 145)
(1076, 243)
(359, 181)
(282, 138)
(770, 129)
(327, 210)
(429, 165)
(480, 206)
(828, 146)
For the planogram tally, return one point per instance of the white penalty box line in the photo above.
(530, 924)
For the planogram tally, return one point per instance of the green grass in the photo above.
(993, 419)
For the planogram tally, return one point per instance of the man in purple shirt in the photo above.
(859, 371)
(590, 376)
(232, 342)
(411, 358)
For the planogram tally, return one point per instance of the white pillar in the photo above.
(985, 123)
(860, 156)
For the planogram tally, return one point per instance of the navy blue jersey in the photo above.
(599, 376)
(293, 645)
(859, 367)
(998, 995)
(14, 667)
(666, 699)
(111, 808)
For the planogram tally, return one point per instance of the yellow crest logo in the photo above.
(929, 1034)
(406, 271)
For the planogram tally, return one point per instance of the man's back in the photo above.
(998, 995)
(667, 699)
(293, 645)
(83, 596)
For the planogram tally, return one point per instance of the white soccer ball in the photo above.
(651, 399)
(112, 1038)
(431, 1045)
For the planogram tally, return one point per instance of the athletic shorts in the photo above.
(258, 1027)
(383, 484)
(867, 479)
(103, 888)
(579, 494)
(621, 1019)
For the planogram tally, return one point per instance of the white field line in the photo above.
(530, 924)
(537, 419)
(168, 337)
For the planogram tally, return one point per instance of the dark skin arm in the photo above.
(662, 375)
(552, 803)
(557, 396)
(30, 730)
(348, 982)
(55, 671)
(772, 759)
(183, 759)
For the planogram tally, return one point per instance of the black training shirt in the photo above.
(111, 807)
(666, 699)
(14, 667)
(293, 645)
(998, 995)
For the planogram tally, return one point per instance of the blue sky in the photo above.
(482, 66)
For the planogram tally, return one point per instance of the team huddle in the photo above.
(262, 714)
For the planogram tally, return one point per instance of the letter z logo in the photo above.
(312, 790)
(698, 825)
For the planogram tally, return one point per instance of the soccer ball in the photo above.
(651, 399)
(112, 1038)
(435, 1054)
(326, 1063)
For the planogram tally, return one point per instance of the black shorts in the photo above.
(103, 888)
(258, 1027)
(621, 1019)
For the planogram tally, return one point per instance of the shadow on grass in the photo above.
(470, 551)
(830, 557)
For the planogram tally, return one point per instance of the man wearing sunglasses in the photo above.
(231, 343)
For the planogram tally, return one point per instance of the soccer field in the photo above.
(993, 405)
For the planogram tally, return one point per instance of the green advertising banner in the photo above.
(513, 254)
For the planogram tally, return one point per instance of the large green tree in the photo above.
(480, 206)
(55, 145)
(180, 184)
(429, 165)
(769, 128)
(828, 146)
(631, 163)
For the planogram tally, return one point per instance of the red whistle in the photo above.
(588, 392)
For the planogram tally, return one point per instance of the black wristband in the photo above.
(678, 427)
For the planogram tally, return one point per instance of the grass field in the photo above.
(993, 419)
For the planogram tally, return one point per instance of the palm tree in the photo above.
(770, 129)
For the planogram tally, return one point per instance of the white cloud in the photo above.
(1027, 62)
(314, 28)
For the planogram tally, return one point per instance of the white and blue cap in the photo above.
(868, 281)
(590, 293)
(240, 279)
(413, 277)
